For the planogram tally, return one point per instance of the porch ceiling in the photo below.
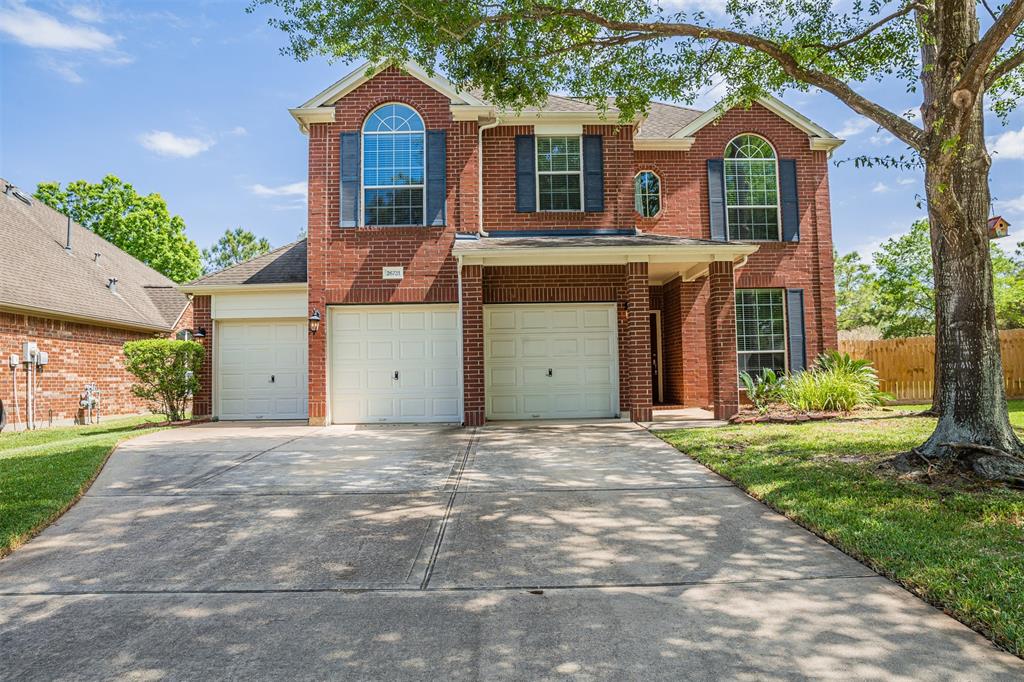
(667, 256)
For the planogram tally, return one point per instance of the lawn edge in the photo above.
(977, 626)
(27, 536)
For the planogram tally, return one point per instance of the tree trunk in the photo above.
(970, 395)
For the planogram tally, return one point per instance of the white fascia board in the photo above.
(365, 72)
(819, 138)
(604, 255)
(212, 289)
(309, 115)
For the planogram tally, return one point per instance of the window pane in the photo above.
(394, 206)
(647, 194)
(393, 159)
(559, 192)
(393, 118)
(760, 339)
(558, 154)
(751, 189)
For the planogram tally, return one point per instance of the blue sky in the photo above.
(190, 99)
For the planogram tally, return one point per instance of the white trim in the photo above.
(682, 144)
(820, 139)
(361, 74)
(655, 174)
(212, 289)
(306, 116)
(537, 172)
(558, 129)
(778, 188)
(608, 255)
(362, 166)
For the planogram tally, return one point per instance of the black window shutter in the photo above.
(349, 208)
(797, 337)
(716, 199)
(790, 204)
(593, 173)
(436, 176)
(526, 178)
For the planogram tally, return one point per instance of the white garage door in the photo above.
(395, 363)
(551, 361)
(261, 369)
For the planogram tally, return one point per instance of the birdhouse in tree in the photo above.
(998, 227)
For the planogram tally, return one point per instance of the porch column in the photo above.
(638, 342)
(722, 322)
(202, 401)
(472, 345)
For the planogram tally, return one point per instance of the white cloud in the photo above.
(880, 188)
(881, 139)
(294, 189)
(167, 143)
(90, 14)
(238, 131)
(906, 181)
(66, 70)
(1009, 145)
(1011, 206)
(706, 6)
(853, 126)
(33, 28)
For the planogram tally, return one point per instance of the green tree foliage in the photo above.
(166, 372)
(234, 247)
(856, 298)
(140, 225)
(896, 292)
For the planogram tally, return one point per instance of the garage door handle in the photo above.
(271, 378)
(396, 375)
(550, 373)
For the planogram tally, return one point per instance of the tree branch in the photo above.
(985, 50)
(895, 124)
(903, 11)
(1003, 68)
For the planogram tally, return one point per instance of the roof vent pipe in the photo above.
(67, 244)
(112, 284)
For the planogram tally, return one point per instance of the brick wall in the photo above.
(202, 404)
(79, 354)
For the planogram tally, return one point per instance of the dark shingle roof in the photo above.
(40, 274)
(665, 120)
(283, 265)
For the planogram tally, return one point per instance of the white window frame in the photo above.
(778, 190)
(362, 166)
(537, 172)
(660, 204)
(785, 330)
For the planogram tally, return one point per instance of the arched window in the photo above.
(647, 193)
(393, 167)
(752, 189)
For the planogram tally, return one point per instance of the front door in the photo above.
(656, 382)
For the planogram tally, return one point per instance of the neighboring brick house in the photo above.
(59, 295)
(468, 264)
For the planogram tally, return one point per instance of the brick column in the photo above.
(202, 402)
(638, 342)
(722, 328)
(473, 345)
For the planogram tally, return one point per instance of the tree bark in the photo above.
(970, 394)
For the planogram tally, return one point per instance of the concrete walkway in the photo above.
(584, 551)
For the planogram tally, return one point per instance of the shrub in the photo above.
(836, 382)
(765, 389)
(166, 371)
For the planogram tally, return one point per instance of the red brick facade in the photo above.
(78, 354)
(698, 317)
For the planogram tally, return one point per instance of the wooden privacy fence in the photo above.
(906, 366)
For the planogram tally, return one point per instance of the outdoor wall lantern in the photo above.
(314, 321)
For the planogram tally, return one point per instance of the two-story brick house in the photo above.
(465, 263)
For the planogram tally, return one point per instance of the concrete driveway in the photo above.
(586, 551)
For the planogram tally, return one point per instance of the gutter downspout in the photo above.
(480, 178)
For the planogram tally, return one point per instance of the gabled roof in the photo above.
(821, 139)
(40, 276)
(666, 126)
(285, 266)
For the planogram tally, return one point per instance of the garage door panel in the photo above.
(420, 342)
(248, 354)
(576, 342)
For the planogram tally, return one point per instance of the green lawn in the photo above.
(44, 472)
(962, 551)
